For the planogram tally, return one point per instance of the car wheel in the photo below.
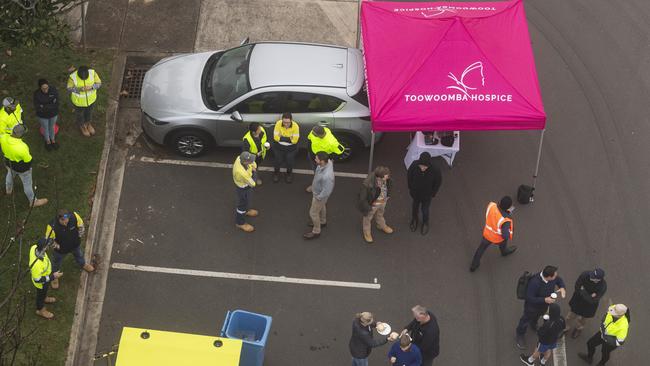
(351, 145)
(190, 143)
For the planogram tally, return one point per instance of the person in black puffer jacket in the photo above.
(424, 179)
(548, 335)
(46, 105)
(361, 341)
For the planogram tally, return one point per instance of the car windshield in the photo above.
(226, 76)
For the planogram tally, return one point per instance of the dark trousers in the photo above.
(530, 317)
(284, 155)
(41, 294)
(427, 361)
(310, 157)
(423, 205)
(83, 114)
(483, 246)
(605, 348)
(57, 258)
(243, 202)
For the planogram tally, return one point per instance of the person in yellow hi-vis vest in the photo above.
(254, 142)
(244, 174)
(11, 114)
(611, 335)
(41, 270)
(322, 139)
(83, 85)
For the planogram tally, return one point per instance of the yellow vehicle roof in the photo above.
(162, 348)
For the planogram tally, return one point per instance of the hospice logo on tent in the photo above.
(465, 88)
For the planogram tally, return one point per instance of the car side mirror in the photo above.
(236, 116)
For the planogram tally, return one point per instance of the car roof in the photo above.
(300, 64)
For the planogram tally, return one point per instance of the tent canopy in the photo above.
(450, 66)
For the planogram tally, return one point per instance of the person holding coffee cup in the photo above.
(362, 341)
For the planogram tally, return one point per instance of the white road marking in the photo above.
(242, 276)
(559, 354)
(208, 164)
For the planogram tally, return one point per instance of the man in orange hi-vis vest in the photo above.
(497, 231)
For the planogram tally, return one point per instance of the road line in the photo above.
(208, 164)
(559, 354)
(242, 276)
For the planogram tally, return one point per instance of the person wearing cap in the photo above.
(286, 134)
(82, 85)
(425, 333)
(254, 141)
(46, 105)
(11, 114)
(611, 335)
(424, 179)
(405, 353)
(244, 174)
(322, 187)
(498, 229)
(362, 341)
(590, 288)
(66, 231)
(322, 139)
(373, 197)
(540, 293)
(19, 163)
(547, 335)
(41, 273)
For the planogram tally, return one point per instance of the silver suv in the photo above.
(194, 101)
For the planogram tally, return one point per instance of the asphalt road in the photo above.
(592, 209)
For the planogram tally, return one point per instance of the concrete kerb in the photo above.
(94, 229)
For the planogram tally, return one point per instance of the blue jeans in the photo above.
(359, 361)
(26, 178)
(48, 127)
(57, 258)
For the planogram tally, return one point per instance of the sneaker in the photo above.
(524, 359)
(367, 237)
(521, 342)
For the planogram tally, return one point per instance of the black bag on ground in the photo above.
(524, 193)
(522, 285)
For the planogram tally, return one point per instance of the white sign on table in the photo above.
(417, 147)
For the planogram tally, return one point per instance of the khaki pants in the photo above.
(580, 321)
(378, 213)
(317, 213)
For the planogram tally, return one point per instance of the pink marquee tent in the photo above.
(450, 66)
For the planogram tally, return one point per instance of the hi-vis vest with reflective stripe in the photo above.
(616, 328)
(83, 98)
(493, 222)
(251, 143)
(327, 143)
(40, 268)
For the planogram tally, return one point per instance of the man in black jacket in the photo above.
(424, 179)
(425, 333)
(590, 288)
(541, 292)
(361, 341)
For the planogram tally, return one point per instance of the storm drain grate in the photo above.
(132, 82)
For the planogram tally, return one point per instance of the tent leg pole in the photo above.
(539, 157)
(372, 151)
(358, 23)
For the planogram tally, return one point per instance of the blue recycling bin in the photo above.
(253, 329)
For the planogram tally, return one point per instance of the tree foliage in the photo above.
(35, 23)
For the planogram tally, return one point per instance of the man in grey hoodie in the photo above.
(321, 187)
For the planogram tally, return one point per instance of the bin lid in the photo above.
(145, 347)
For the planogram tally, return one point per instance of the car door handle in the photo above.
(324, 123)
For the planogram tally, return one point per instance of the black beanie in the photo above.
(505, 203)
(82, 71)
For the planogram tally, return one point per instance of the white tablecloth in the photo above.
(417, 147)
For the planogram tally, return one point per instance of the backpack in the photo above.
(522, 285)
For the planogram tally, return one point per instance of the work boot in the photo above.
(44, 313)
(288, 178)
(54, 284)
(276, 177)
(521, 341)
(414, 224)
(310, 235)
(84, 130)
(50, 300)
(576, 333)
(387, 229)
(308, 189)
(367, 237)
(90, 128)
(247, 228)
(509, 251)
(585, 357)
(252, 213)
(40, 202)
(88, 268)
(524, 359)
(425, 228)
